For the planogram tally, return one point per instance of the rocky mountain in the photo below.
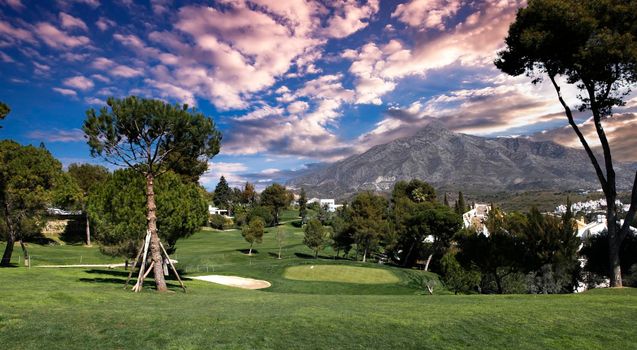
(452, 161)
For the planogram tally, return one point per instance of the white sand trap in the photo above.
(235, 281)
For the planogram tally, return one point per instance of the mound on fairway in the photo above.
(339, 273)
(234, 281)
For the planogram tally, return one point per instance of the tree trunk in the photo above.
(279, 252)
(88, 228)
(409, 253)
(316, 254)
(8, 250)
(27, 260)
(365, 255)
(250, 252)
(498, 282)
(428, 261)
(155, 251)
(614, 243)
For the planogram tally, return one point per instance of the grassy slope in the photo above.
(78, 308)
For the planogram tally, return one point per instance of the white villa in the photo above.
(330, 204)
(476, 216)
(216, 211)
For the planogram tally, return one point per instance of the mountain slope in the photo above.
(454, 161)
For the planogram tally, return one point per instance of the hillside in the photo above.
(453, 161)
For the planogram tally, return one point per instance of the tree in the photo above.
(315, 236)
(223, 194)
(302, 205)
(253, 232)
(87, 176)
(262, 212)
(249, 195)
(446, 200)
(369, 221)
(4, 111)
(27, 177)
(118, 211)
(280, 237)
(461, 206)
(145, 135)
(343, 231)
(593, 45)
(457, 278)
(276, 197)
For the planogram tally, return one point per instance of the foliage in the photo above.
(253, 232)
(276, 197)
(27, 177)
(457, 278)
(4, 111)
(460, 206)
(248, 195)
(118, 211)
(88, 175)
(67, 193)
(261, 212)
(593, 45)
(369, 221)
(223, 194)
(217, 221)
(595, 251)
(302, 205)
(316, 236)
(342, 231)
(280, 235)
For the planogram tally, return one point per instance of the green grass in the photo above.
(81, 308)
(343, 274)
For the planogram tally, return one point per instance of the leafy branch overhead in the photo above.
(151, 136)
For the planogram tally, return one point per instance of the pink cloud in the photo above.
(104, 23)
(79, 82)
(125, 71)
(71, 22)
(65, 92)
(350, 18)
(426, 14)
(57, 38)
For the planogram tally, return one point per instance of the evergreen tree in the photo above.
(249, 195)
(446, 200)
(461, 206)
(302, 205)
(369, 222)
(277, 198)
(4, 111)
(223, 194)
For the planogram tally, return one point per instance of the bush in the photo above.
(264, 213)
(217, 221)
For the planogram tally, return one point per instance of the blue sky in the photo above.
(289, 83)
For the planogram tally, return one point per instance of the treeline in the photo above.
(522, 253)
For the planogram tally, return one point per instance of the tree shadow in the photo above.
(246, 251)
(119, 277)
(74, 232)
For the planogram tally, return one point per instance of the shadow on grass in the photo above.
(119, 277)
(320, 257)
(246, 251)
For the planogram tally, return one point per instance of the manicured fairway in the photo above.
(344, 274)
(88, 308)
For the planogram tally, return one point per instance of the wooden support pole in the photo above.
(143, 264)
(140, 285)
(173, 267)
(130, 274)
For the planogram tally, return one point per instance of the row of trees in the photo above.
(532, 252)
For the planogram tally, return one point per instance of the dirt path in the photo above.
(235, 281)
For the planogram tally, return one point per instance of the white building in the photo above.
(216, 211)
(475, 218)
(329, 204)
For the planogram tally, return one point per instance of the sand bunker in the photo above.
(234, 281)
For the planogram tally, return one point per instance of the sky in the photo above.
(290, 83)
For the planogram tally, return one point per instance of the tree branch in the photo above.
(587, 148)
(597, 121)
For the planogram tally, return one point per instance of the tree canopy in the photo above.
(276, 197)
(4, 111)
(118, 211)
(152, 137)
(593, 45)
(28, 176)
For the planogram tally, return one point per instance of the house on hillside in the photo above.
(476, 217)
(329, 204)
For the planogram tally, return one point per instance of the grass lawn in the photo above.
(339, 308)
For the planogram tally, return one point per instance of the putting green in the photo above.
(339, 273)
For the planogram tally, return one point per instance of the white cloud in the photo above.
(57, 135)
(124, 71)
(350, 17)
(65, 92)
(427, 13)
(79, 82)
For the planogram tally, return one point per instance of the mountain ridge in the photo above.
(455, 161)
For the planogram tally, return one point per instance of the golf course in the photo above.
(311, 304)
